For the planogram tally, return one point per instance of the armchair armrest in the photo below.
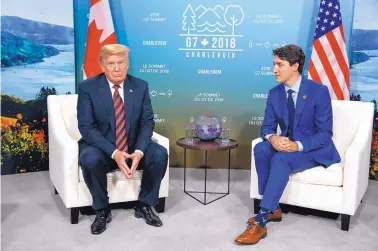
(63, 155)
(163, 141)
(357, 162)
(254, 191)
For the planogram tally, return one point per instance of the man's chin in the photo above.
(119, 79)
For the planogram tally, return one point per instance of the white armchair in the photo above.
(65, 173)
(340, 187)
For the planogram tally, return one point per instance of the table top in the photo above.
(215, 145)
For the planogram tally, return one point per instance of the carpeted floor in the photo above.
(33, 218)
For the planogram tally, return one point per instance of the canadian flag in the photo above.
(100, 32)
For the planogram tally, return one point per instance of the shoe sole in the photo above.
(272, 220)
(262, 237)
(275, 220)
(107, 222)
(139, 215)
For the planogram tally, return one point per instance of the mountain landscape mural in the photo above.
(37, 60)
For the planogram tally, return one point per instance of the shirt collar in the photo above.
(296, 85)
(111, 84)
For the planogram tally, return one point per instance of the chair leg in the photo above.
(160, 208)
(285, 208)
(256, 205)
(75, 215)
(345, 220)
(55, 192)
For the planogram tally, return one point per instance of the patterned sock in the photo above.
(262, 217)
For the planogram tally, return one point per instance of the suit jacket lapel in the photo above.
(283, 104)
(128, 94)
(301, 101)
(106, 96)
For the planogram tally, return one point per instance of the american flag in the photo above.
(329, 58)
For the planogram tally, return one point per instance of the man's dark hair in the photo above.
(291, 53)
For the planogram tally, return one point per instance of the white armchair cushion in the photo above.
(331, 176)
(115, 176)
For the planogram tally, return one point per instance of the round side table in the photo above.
(206, 146)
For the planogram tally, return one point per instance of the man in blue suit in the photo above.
(302, 109)
(116, 122)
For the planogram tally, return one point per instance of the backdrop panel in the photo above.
(364, 64)
(37, 59)
(208, 57)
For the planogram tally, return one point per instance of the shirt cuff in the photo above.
(139, 151)
(268, 136)
(300, 146)
(114, 153)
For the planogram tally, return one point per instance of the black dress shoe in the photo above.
(145, 212)
(103, 217)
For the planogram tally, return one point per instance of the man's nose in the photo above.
(275, 69)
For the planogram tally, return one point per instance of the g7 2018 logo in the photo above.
(211, 32)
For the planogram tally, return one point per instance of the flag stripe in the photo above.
(342, 32)
(340, 57)
(328, 68)
(93, 2)
(313, 73)
(333, 61)
(321, 73)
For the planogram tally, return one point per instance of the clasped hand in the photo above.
(283, 144)
(121, 158)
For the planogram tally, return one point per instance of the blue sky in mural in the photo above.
(36, 10)
(364, 11)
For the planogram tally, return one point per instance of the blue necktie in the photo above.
(291, 110)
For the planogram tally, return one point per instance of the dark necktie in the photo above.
(119, 112)
(291, 110)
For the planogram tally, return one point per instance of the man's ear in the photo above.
(296, 66)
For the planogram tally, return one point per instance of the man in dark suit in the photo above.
(115, 119)
(302, 109)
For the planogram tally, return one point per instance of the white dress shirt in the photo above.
(122, 97)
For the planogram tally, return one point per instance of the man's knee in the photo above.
(262, 149)
(91, 158)
(160, 153)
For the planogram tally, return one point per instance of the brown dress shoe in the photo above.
(253, 234)
(276, 217)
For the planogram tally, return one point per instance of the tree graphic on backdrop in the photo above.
(189, 19)
(234, 16)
